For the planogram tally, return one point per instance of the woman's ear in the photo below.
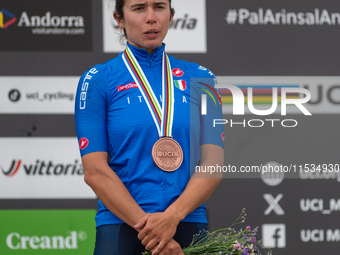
(120, 21)
(172, 14)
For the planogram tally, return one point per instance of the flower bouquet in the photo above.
(226, 241)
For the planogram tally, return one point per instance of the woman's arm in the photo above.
(201, 185)
(159, 228)
(110, 189)
(114, 195)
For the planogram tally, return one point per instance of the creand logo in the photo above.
(15, 241)
(50, 21)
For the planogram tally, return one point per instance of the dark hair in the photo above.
(120, 13)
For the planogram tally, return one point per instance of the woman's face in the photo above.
(146, 22)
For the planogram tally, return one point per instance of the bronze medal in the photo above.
(167, 154)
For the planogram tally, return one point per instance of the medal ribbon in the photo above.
(163, 117)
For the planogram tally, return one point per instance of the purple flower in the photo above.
(245, 251)
(248, 228)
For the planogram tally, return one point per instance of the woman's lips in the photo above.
(152, 33)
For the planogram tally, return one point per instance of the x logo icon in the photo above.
(273, 204)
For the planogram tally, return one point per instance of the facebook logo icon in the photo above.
(274, 235)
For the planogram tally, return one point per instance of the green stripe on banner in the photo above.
(47, 232)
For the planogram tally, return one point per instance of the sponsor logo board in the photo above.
(258, 93)
(47, 231)
(37, 94)
(56, 25)
(41, 168)
(187, 34)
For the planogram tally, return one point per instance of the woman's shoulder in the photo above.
(110, 65)
(195, 70)
(105, 70)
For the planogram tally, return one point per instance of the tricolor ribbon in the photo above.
(163, 117)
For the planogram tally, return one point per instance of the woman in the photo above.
(127, 111)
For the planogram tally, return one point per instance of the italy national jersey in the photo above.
(112, 116)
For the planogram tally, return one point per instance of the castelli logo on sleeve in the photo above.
(177, 72)
(222, 136)
(83, 142)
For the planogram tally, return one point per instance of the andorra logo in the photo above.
(6, 24)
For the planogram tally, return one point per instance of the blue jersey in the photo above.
(112, 116)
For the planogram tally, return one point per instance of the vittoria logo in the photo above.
(3, 23)
(83, 142)
(177, 72)
(128, 86)
(42, 167)
(53, 163)
(13, 168)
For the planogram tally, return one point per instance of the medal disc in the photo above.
(167, 154)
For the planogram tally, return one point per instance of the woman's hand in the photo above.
(171, 248)
(157, 229)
